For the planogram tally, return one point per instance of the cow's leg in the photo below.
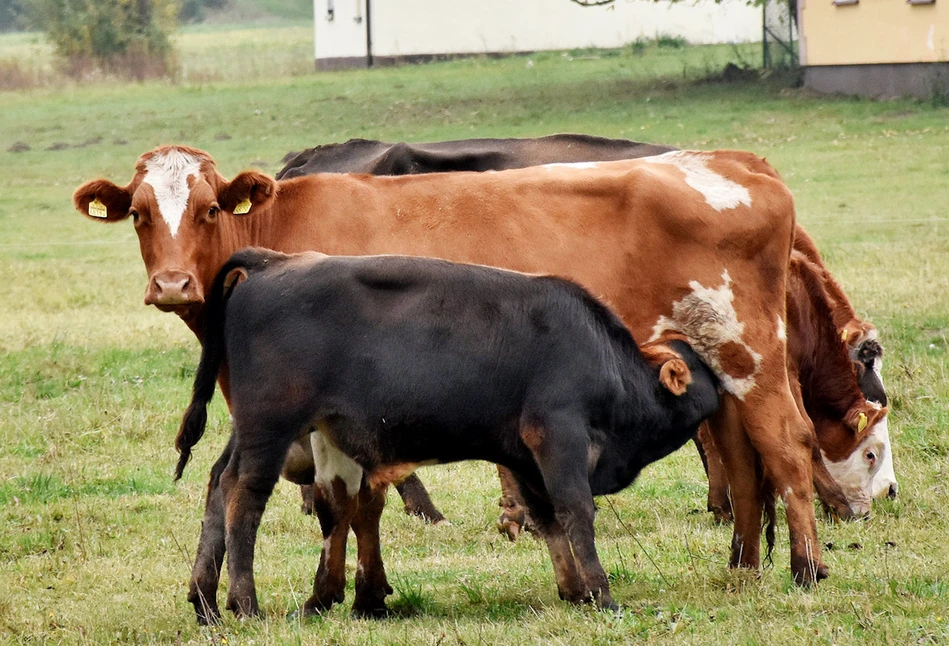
(246, 485)
(828, 490)
(417, 502)
(559, 445)
(780, 435)
(307, 503)
(338, 481)
(206, 573)
(569, 582)
(740, 461)
(718, 502)
(372, 587)
(513, 517)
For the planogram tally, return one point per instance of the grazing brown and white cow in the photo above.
(393, 362)
(383, 158)
(686, 243)
(850, 426)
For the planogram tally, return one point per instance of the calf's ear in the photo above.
(675, 376)
(248, 192)
(102, 200)
(864, 415)
(234, 278)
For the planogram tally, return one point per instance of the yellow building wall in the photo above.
(873, 31)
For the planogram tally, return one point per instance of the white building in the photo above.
(358, 33)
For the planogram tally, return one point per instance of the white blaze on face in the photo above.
(885, 478)
(707, 317)
(719, 192)
(330, 463)
(857, 474)
(168, 175)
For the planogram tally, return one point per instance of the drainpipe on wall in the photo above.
(369, 61)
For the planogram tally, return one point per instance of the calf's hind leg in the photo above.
(372, 587)
(206, 573)
(246, 485)
(338, 481)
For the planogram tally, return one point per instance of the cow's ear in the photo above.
(864, 415)
(248, 192)
(102, 200)
(234, 278)
(675, 376)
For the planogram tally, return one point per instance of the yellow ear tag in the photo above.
(97, 209)
(843, 335)
(243, 207)
(862, 423)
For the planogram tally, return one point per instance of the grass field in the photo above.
(96, 541)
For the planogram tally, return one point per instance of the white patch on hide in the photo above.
(708, 319)
(570, 165)
(782, 330)
(168, 175)
(330, 463)
(719, 192)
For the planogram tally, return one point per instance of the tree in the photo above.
(128, 38)
(12, 15)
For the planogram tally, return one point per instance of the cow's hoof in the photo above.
(509, 528)
(206, 613)
(721, 515)
(608, 605)
(317, 605)
(207, 617)
(808, 575)
(371, 611)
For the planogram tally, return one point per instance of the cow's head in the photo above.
(855, 449)
(867, 356)
(187, 217)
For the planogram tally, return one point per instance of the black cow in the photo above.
(383, 158)
(394, 362)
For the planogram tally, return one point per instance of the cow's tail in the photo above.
(240, 265)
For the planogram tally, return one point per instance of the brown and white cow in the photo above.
(685, 243)
(851, 428)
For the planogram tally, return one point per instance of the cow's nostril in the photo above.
(891, 494)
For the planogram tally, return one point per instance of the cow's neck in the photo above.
(640, 422)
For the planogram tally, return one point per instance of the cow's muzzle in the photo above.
(173, 290)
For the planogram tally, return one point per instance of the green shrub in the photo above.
(128, 38)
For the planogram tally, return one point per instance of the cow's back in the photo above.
(383, 158)
(640, 234)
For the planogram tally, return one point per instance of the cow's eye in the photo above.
(871, 457)
(213, 211)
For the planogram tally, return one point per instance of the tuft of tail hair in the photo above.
(236, 269)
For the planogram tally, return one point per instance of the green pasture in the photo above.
(96, 541)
